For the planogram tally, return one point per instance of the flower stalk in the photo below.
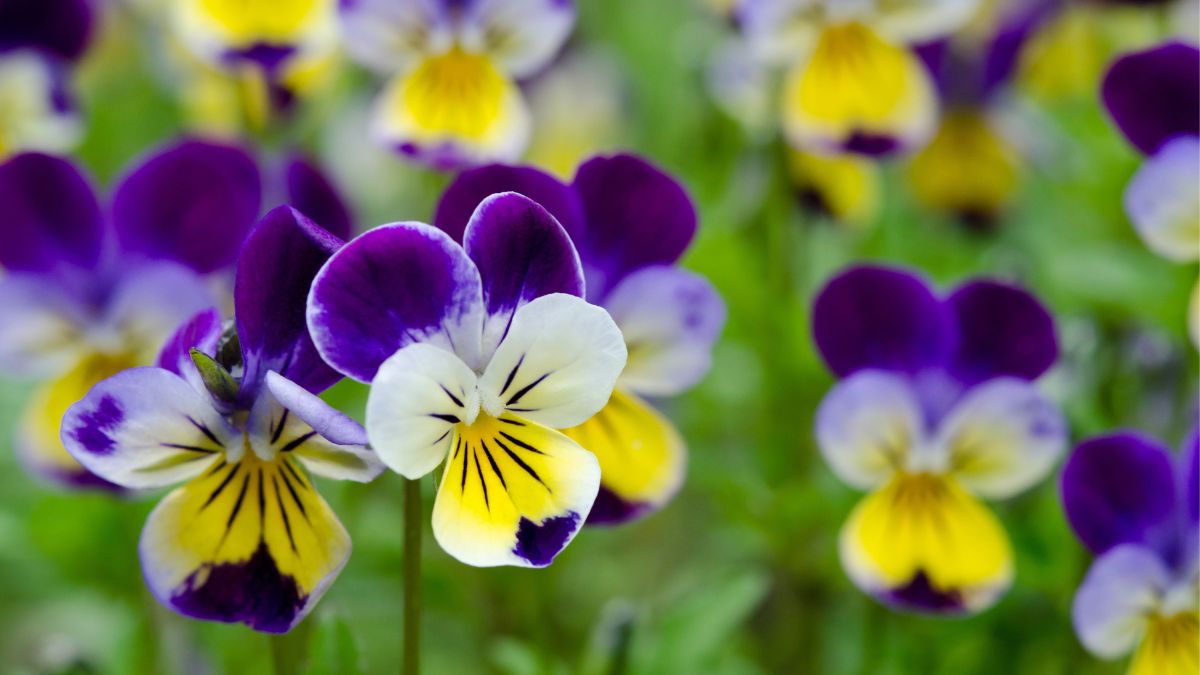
(412, 577)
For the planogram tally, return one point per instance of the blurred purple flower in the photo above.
(89, 293)
(247, 539)
(1136, 507)
(936, 406)
(630, 222)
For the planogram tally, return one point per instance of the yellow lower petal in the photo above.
(642, 457)
(245, 22)
(512, 493)
(1171, 647)
(38, 431)
(846, 187)
(968, 169)
(250, 542)
(922, 541)
(457, 103)
(859, 92)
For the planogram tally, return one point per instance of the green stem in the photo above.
(412, 577)
(289, 651)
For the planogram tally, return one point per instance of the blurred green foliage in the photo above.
(739, 575)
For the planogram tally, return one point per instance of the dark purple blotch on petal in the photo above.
(312, 193)
(193, 202)
(870, 145)
(920, 595)
(253, 592)
(539, 543)
(471, 187)
(636, 215)
(1119, 489)
(49, 215)
(1154, 95)
(1002, 331)
(521, 251)
(609, 509)
(878, 317)
(94, 426)
(59, 27)
(275, 271)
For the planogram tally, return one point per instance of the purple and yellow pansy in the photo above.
(477, 354)
(1135, 506)
(631, 223)
(1153, 97)
(39, 41)
(936, 408)
(93, 289)
(235, 416)
(853, 83)
(452, 99)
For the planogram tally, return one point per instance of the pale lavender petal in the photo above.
(332, 424)
(151, 300)
(396, 285)
(41, 328)
(1111, 606)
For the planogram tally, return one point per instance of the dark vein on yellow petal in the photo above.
(492, 461)
(287, 525)
(189, 448)
(297, 442)
(295, 474)
(528, 469)
(220, 488)
(479, 471)
(515, 423)
(521, 443)
(463, 482)
(279, 427)
(295, 497)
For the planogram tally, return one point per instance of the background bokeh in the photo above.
(739, 575)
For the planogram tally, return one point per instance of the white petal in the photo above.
(868, 426)
(1111, 605)
(916, 21)
(558, 364)
(387, 35)
(39, 328)
(1003, 437)
(523, 35)
(416, 399)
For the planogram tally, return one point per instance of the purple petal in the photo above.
(151, 300)
(312, 193)
(876, 317)
(50, 215)
(1118, 489)
(202, 332)
(1189, 469)
(539, 543)
(471, 187)
(59, 27)
(636, 216)
(396, 285)
(522, 253)
(332, 424)
(274, 274)
(1154, 95)
(193, 202)
(1003, 331)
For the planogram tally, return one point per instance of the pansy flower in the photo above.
(853, 84)
(39, 40)
(1134, 505)
(936, 408)
(1154, 98)
(631, 223)
(247, 538)
(93, 290)
(970, 169)
(452, 99)
(270, 35)
(476, 354)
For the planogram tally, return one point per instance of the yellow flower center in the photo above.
(1171, 646)
(457, 93)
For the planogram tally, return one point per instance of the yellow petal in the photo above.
(249, 542)
(246, 22)
(457, 107)
(858, 92)
(642, 458)
(38, 431)
(1171, 647)
(846, 187)
(923, 542)
(968, 169)
(512, 493)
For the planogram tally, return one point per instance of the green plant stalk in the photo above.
(412, 577)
